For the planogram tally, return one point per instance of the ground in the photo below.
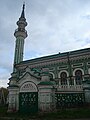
(74, 113)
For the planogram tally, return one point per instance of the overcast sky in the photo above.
(53, 26)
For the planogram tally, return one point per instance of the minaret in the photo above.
(20, 34)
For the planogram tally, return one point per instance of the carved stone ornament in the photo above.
(28, 87)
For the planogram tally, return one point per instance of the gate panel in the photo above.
(28, 102)
(69, 100)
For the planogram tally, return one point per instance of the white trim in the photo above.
(74, 74)
(61, 72)
(78, 69)
(52, 74)
(27, 77)
(77, 65)
(28, 87)
(88, 70)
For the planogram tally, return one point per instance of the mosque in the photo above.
(47, 83)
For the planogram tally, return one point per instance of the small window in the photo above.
(51, 76)
(63, 78)
(78, 77)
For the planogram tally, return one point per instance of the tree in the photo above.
(3, 96)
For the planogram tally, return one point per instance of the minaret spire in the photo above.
(20, 34)
(23, 14)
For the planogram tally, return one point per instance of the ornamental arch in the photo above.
(28, 87)
(61, 72)
(78, 76)
(78, 69)
(63, 77)
(28, 98)
(52, 75)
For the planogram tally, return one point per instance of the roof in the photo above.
(65, 54)
(46, 83)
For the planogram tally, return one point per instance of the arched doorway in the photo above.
(28, 98)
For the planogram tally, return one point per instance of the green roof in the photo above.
(46, 83)
(64, 54)
(13, 85)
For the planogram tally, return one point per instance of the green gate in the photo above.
(28, 102)
(65, 100)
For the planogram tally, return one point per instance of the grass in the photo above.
(60, 114)
(68, 114)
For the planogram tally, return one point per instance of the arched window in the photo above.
(78, 77)
(51, 76)
(63, 76)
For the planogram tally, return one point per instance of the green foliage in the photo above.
(3, 96)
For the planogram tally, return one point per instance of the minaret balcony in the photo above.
(22, 33)
(22, 21)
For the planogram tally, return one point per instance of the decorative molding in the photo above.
(51, 68)
(80, 57)
(77, 65)
(53, 61)
(78, 69)
(28, 87)
(89, 71)
(52, 74)
(88, 63)
(62, 67)
(70, 88)
(63, 71)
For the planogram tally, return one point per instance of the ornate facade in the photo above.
(48, 83)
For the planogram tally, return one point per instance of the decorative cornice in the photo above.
(47, 61)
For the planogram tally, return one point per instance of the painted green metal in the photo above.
(28, 102)
(69, 100)
(46, 83)
(19, 50)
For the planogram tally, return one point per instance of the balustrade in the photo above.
(70, 88)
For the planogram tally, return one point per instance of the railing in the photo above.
(70, 88)
(21, 30)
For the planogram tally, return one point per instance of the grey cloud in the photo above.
(56, 23)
